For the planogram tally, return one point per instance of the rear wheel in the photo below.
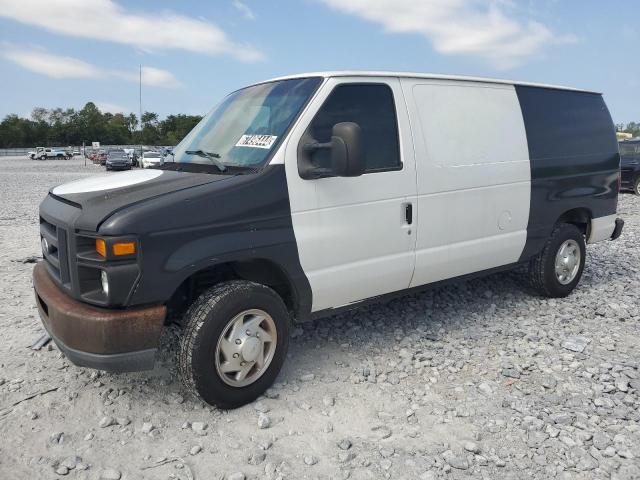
(234, 343)
(557, 269)
(636, 186)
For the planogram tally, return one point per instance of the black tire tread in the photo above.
(195, 318)
(537, 265)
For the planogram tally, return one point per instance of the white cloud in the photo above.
(108, 21)
(244, 10)
(60, 67)
(460, 27)
(158, 78)
(50, 65)
(107, 107)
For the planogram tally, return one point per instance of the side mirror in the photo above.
(347, 158)
(346, 153)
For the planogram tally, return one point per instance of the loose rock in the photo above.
(263, 421)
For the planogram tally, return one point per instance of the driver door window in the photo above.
(372, 107)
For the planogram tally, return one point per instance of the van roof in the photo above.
(431, 76)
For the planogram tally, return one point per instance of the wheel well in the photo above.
(260, 271)
(580, 217)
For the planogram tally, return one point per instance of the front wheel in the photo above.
(557, 269)
(234, 343)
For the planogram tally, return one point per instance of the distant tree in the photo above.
(61, 127)
(40, 114)
(175, 127)
(633, 128)
(150, 134)
(14, 131)
(132, 124)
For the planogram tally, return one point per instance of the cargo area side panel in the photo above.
(473, 177)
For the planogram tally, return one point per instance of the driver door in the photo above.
(355, 235)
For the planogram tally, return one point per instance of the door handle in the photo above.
(408, 213)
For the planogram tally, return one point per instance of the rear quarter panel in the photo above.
(573, 155)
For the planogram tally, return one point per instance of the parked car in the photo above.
(347, 188)
(150, 159)
(630, 165)
(117, 159)
(44, 153)
(133, 156)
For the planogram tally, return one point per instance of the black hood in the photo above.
(97, 205)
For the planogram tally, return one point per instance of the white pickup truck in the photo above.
(42, 153)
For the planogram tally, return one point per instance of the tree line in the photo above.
(60, 127)
(632, 127)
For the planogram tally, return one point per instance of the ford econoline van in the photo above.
(302, 196)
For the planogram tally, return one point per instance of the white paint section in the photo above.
(107, 182)
(365, 74)
(602, 228)
(353, 241)
(473, 175)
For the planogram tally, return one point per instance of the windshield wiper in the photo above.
(211, 156)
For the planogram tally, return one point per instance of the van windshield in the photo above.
(247, 126)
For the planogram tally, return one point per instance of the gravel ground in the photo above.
(478, 380)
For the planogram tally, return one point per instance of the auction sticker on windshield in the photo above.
(256, 141)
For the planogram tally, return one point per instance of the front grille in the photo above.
(55, 251)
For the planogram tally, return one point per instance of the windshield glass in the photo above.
(244, 129)
(151, 155)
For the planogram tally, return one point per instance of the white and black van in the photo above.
(301, 196)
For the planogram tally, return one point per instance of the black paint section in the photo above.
(244, 217)
(630, 165)
(573, 158)
(96, 206)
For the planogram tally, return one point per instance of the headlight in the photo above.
(105, 282)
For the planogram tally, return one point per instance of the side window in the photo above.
(371, 106)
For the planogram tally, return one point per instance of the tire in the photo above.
(207, 322)
(542, 268)
(636, 186)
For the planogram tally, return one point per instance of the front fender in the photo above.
(242, 219)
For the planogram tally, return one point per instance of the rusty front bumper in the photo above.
(101, 338)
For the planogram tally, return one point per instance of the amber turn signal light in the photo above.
(101, 247)
(124, 248)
